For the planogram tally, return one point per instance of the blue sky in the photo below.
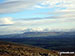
(28, 13)
(18, 16)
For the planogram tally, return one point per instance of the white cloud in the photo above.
(59, 23)
(38, 29)
(63, 22)
(7, 20)
(57, 4)
(11, 30)
(38, 6)
(10, 6)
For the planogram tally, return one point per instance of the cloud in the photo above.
(34, 29)
(60, 12)
(63, 18)
(60, 3)
(5, 30)
(6, 21)
(10, 6)
(58, 23)
(5, 25)
(52, 23)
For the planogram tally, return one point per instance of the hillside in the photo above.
(12, 49)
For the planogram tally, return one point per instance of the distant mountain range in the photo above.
(40, 34)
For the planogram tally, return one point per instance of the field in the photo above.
(51, 43)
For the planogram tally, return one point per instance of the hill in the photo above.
(40, 34)
(12, 49)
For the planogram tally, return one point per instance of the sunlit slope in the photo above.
(12, 49)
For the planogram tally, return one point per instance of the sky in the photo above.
(18, 16)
